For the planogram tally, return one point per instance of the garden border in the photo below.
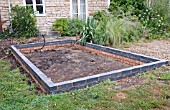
(52, 88)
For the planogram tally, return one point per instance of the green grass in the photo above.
(15, 94)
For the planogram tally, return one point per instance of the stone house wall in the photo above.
(53, 9)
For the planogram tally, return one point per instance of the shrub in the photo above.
(123, 30)
(99, 15)
(123, 6)
(87, 34)
(61, 25)
(152, 21)
(24, 22)
(111, 31)
(101, 18)
(75, 26)
(5, 34)
(162, 7)
(100, 33)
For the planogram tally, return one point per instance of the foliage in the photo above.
(15, 94)
(75, 26)
(61, 25)
(100, 32)
(165, 76)
(24, 22)
(123, 6)
(100, 15)
(87, 34)
(113, 31)
(123, 30)
(6, 34)
(152, 21)
(155, 20)
(162, 8)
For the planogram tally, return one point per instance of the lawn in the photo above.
(153, 92)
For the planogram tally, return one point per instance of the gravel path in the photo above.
(156, 48)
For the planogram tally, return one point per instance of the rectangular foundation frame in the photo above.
(140, 63)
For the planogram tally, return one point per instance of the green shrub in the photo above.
(162, 7)
(24, 22)
(6, 34)
(61, 25)
(88, 32)
(119, 31)
(101, 18)
(100, 15)
(100, 33)
(75, 26)
(152, 21)
(123, 6)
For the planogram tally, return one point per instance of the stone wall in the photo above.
(95, 5)
(54, 9)
(5, 10)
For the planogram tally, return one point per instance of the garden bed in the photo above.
(68, 63)
(57, 68)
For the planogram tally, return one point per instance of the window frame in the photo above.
(34, 7)
(71, 8)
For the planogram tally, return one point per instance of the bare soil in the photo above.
(67, 63)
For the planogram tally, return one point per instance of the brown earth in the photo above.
(67, 63)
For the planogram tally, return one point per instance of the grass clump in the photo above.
(14, 91)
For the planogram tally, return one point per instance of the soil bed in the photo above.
(67, 63)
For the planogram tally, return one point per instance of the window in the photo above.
(78, 9)
(37, 5)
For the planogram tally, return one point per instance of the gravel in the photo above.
(156, 48)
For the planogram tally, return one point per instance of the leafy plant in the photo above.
(100, 32)
(116, 31)
(75, 26)
(123, 6)
(100, 15)
(165, 76)
(87, 34)
(152, 21)
(162, 8)
(24, 22)
(61, 25)
(6, 34)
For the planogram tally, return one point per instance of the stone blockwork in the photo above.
(5, 10)
(54, 9)
(96, 5)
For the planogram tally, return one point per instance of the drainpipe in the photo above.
(0, 23)
(108, 3)
(9, 6)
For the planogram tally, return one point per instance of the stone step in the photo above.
(52, 34)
